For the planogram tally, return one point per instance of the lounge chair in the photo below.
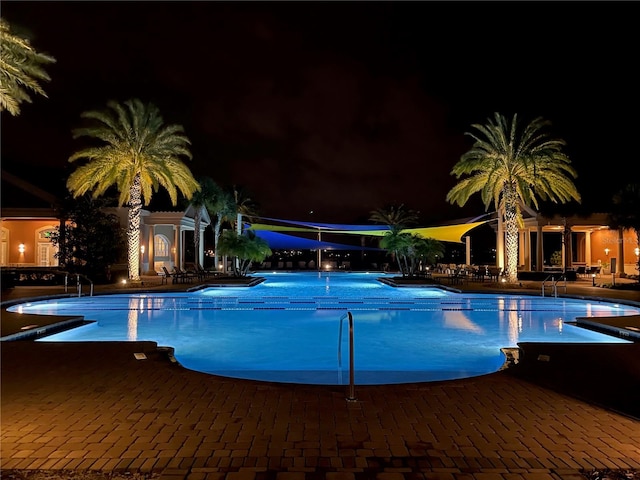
(186, 276)
(204, 273)
(175, 278)
(164, 276)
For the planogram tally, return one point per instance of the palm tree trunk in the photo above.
(511, 237)
(395, 254)
(216, 237)
(133, 229)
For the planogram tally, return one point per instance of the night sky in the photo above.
(336, 107)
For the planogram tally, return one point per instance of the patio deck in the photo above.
(94, 407)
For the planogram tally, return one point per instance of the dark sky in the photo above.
(339, 107)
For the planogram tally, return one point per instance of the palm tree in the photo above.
(394, 216)
(223, 206)
(397, 243)
(510, 167)
(626, 211)
(427, 250)
(202, 198)
(244, 206)
(137, 153)
(21, 70)
(247, 248)
(397, 218)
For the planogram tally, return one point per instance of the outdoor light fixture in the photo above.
(142, 249)
(606, 251)
(593, 279)
(21, 248)
(637, 252)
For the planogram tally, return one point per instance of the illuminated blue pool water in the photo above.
(287, 328)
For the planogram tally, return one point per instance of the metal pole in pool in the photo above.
(351, 396)
(352, 389)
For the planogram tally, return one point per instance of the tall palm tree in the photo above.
(202, 198)
(511, 166)
(224, 207)
(137, 153)
(626, 211)
(245, 206)
(21, 70)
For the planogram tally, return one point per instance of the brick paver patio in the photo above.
(93, 406)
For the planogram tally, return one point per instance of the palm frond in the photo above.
(21, 70)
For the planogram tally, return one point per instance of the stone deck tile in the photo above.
(492, 425)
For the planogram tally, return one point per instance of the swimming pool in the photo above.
(287, 328)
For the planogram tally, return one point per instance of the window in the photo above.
(160, 246)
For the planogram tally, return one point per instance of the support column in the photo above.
(567, 243)
(467, 240)
(522, 248)
(528, 265)
(500, 242)
(539, 249)
(180, 251)
(319, 251)
(174, 249)
(587, 249)
(152, 248)
(201, 248)
(620, 268)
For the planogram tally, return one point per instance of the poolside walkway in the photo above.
(94, 406)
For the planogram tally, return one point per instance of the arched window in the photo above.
(46, 251)
(160, 246)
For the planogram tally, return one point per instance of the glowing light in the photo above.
(606, 251)
(21, 248)
(124, 281)
(142, 249)
(637, 252)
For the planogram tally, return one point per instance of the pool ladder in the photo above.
(351, 394)
(78, 283)
(554, 284)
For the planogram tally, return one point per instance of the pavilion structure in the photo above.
(584, 241)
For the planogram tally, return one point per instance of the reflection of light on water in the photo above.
(132, 318)
(402, 334)
(514, 320)
(458, 320)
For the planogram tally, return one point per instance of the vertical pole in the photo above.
(352, 388)
(319, 251)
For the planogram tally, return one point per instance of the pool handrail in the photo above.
(78, 283)
(351, 396)
(554, 284)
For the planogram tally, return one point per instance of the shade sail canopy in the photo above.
(445, 233)
(286, 234)
(282, 241)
